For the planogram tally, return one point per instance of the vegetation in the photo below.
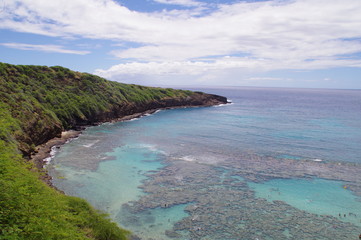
(46, 99)
(29, 209)
(37, 103)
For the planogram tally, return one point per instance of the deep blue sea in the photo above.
(274, 164)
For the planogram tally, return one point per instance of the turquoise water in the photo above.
(317, 196)
(153, 223)
(113, 178)
(275, 164)
(108, 193)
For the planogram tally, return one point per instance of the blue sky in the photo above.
(275, 43)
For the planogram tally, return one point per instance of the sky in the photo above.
(265, 43)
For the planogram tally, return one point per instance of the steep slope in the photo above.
(47, 100)
(37, 104)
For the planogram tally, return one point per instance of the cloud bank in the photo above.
(43, 48)
(243, 36)
(185, 3)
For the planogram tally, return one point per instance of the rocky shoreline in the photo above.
(43, 151)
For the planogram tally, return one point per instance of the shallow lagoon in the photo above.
(242, 171)
(318, 196)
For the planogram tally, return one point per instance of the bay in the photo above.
(227, 172)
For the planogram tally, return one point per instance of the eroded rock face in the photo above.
(129, 108)
(39, 129)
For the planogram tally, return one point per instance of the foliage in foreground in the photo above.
(36, 103)
(29, 209)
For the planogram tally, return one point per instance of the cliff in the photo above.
(46, 100)
(37, 104)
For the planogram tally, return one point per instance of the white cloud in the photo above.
(43, 48)
(226, 70)
(170, 68)
(186, 3)
(295, 34)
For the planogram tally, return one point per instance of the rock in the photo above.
(172, 234)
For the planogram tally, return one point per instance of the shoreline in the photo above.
(43, 151)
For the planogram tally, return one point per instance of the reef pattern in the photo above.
(221, 205)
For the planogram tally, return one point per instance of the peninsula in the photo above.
(37, 104)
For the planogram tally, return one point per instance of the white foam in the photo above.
(133, 119)
(149, 147)
(229, 102)
(144, 115)
(52, 154)
(317, 160)
(90, 144)
(108, 123)
(188, 159)
(223, 105)
(71, 139)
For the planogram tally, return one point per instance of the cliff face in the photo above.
(45, 101)
(126, 109)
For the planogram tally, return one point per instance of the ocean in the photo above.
(274, 164)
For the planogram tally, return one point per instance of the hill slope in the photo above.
(37, 104)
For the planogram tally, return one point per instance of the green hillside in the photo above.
(37, 104)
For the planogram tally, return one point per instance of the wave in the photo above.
(52, 154)
(90, 144)
(107, 123)
(149, 147)
(223, 105)
(188, 158)
(317, 160)
(133, 119)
